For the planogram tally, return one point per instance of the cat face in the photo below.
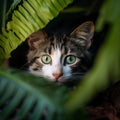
(60, 59)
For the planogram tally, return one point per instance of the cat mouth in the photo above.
(62, 80)
(69, 80)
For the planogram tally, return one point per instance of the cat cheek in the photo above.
(47, 72)
(67, 71)
(35, 72)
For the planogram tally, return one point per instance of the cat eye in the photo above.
(70, 59)
(46, 59)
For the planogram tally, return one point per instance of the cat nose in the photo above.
(57, 75)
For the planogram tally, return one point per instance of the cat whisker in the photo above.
(72, 77)
(75, 74)
(82, 73)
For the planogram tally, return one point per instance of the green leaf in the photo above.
(106, 66)
(11, 9)
(29, 17)
(24, 92)
(109, 12)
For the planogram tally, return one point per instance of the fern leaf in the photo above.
(23, 95)
(13, 6)
(30, 16)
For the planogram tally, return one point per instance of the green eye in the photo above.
(46, 59)
(70, 59)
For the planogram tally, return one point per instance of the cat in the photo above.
(60, 59)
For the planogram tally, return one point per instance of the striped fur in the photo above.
(59, 49)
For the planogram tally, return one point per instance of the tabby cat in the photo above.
(60, 59)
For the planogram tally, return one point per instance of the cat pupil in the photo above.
(46, 59)
(70, 59)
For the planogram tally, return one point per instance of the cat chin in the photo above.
(58, 81)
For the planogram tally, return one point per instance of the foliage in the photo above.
(21, 94)
(107, 64)
(23, 22)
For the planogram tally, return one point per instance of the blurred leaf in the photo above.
(21, 92)
(106, 66)
(109, 13)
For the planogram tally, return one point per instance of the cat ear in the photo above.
(36, 38)
(83, 34)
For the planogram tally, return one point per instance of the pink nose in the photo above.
(57, 75)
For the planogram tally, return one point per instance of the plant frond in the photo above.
(107, 63)
(25, 96)
(29, 17)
